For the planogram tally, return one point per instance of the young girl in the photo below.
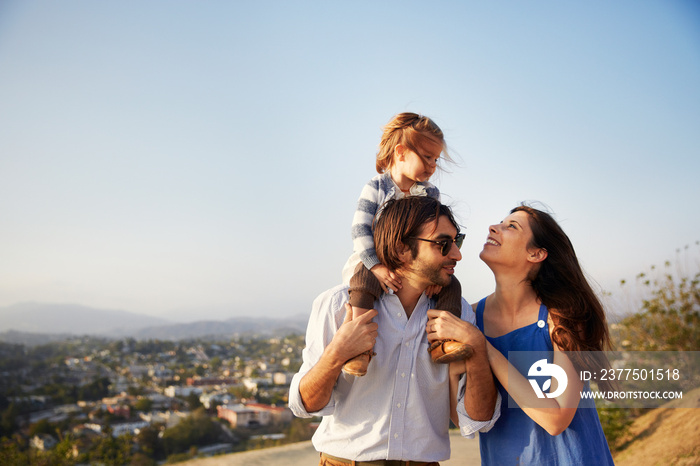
(543, 307)
(409, 150)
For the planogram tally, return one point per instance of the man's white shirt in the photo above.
(401, 408)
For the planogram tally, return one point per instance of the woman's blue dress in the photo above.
(516, 438)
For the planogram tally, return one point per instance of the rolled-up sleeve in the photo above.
(468, 426)
(324, 321)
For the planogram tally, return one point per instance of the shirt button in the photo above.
(396, 435)
(398, 405)
(540, 323)
(403, 374)
(398, 314)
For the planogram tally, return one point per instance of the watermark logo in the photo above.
(616, 379)
(542, 368)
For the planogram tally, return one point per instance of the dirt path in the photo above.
(464, 452)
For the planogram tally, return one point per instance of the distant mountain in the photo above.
(72, 318)
(31, 321)
(234, 327)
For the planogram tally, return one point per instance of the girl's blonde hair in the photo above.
(408, 129)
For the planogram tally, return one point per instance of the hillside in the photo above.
(666, 435)
(663, 436)
(231, 327)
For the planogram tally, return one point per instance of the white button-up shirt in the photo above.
(400, 410)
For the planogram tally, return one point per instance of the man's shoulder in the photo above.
(337, 295)
(336, 290)
(329, 306)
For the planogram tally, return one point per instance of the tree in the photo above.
(135, 390)
(193, 401)
(299, 430)
(59, 455)
(143, 404)
(139, 459)
(215, 363)
(97, 389)
(41, 427)
(240, 392)
(12, 357)
(10, 453)
(198, 429)
(669, 318)
(112, 451)
(8, 420)
(149, 442)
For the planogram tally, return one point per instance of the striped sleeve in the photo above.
(362, 238)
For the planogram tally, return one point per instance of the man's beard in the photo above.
(434, 274)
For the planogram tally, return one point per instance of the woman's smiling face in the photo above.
(509, 240)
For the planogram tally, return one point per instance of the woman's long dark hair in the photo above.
(579, 319)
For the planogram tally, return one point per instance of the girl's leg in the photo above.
(445, 351)
(364, 290)
(450, 298)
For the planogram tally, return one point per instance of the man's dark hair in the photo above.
(401, 219)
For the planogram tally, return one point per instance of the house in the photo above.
(242, 416)
(279, 378)
(43, 442)
(160, 401)
(210, 381)
(278, 414)
(209, 399)
(168, 418)
(254, 414)
(131, 427)
(120, 410)
(173, 391)
(160, 372)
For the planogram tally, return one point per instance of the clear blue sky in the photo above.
(203, 159)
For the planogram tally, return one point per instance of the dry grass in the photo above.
(666, 435)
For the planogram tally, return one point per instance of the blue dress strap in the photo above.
(543, 313)
(480, 314)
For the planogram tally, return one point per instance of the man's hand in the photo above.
(443, 325)
(387, 278)
(352, 338)
(481, 394)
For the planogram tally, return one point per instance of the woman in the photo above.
(544, 306)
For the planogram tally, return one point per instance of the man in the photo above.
(401, 409)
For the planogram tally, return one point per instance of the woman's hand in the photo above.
(553, 414)
(387, 278)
